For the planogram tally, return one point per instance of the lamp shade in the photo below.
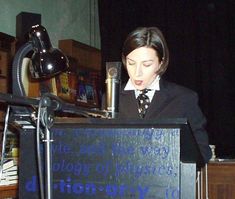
(46, 60)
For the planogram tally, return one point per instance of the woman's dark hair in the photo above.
(150, 37)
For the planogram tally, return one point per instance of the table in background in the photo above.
(221, 179)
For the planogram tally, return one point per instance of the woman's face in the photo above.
(142, 66)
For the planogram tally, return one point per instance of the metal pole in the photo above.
(48, 173)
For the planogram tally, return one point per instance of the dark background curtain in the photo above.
(201, 39)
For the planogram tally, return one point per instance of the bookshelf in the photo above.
(7, 52)
(85, 56)
(86, 62)
(9, 191)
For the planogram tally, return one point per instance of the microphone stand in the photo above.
(47, 119)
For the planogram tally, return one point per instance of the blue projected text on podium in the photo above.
(137, 163)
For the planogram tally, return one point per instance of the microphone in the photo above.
(113, 76)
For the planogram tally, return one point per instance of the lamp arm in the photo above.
(17, 87)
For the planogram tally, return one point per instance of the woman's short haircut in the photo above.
(150, 37)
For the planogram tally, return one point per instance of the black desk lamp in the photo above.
(46, 62)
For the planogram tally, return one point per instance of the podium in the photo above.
(110, 158)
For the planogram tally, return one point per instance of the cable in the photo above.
(202, 177)
(206, 168)
(17, 87)
(39, 159)
(198, 185)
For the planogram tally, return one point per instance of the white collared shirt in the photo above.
(154, 86)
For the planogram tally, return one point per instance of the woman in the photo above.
(146, 95)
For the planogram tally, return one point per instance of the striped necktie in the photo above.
(143, 102)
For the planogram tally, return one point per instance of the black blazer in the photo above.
(172, 101)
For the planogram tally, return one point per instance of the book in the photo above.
(66, 84)
(11, 169)
(9, 164)
(5, 176)
(11, 145)
(47, 86)
(10, 172)
(8, 182)
(88, 89)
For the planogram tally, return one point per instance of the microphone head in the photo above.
(113, 70)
